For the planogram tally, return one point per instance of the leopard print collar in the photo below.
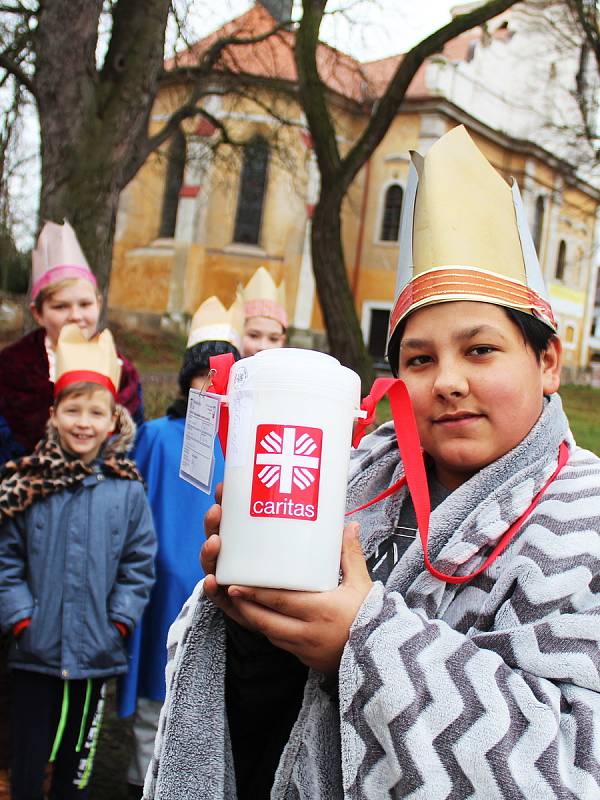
(48, 470)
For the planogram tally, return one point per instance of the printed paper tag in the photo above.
(198, 453)
(286, 472)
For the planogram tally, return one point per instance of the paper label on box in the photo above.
(198, 453)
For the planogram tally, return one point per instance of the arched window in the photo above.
(561, 260)
(390, 223)
(251, 195)
(173, 182)
(538, 225)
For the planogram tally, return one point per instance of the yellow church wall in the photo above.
(142, 283)
(389, 164)
(544, 174)
(138, 223)
(374, 285)
(144, 274)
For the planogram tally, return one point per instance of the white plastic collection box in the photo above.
(291, 414)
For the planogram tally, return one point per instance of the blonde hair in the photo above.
(85, 388)
(48, 291)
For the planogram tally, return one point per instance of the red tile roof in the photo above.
(274, 58)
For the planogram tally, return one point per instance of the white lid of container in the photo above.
(289, 367)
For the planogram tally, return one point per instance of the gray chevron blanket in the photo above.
(486, 690)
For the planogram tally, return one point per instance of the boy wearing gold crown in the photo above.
(63, 291)
(266, 318)
(460, 660)
(77, 549)
(214, 331)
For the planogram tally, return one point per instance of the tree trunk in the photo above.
(337, 303)
(337, 173)
(91, 208)
(94, 123)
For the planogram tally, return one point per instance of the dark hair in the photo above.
(536, 335)
(197, 360)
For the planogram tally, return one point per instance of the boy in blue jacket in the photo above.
(77, 549)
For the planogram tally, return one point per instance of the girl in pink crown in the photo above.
(266, 319)
(63, 290)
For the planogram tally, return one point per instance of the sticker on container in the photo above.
(239, 439)
(287, 467)
(198, 453)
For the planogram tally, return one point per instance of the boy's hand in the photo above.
(314, 626)
(208, 558)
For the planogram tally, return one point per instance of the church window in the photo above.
(392, 206)
(561, 260)
(538, 225)
(251, 194)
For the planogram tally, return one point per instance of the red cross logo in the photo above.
(285, 482)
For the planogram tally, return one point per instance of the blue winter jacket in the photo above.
(75, 562)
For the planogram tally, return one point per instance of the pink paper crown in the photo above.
(58, 256)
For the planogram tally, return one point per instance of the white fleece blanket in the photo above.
(486, 690)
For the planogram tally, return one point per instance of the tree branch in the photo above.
(388, 105)
(312, 90)
(587, 17)
(212, 55)
(21, 12)
(185, 111)
(21, 76)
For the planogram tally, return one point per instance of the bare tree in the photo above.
(585, 14)
(571, 43)
(94, 118)
(337, 171)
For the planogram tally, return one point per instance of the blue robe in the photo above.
(178, 509)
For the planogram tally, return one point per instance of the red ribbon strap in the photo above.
(220, 367)
(415, 474)
(84, 375)
(369, 404)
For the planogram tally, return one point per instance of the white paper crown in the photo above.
(213, 322)
(80, 359)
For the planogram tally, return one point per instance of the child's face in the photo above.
(476, 388)
(84, 422)
(261, 333)
(76, 303)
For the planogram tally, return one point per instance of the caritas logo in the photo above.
(287, 465)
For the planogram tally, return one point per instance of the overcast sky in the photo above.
(367, 29)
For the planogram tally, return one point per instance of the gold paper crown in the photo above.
(57, 255)
(464, 236)
(213, 322)
(80, 359)
(262, 298)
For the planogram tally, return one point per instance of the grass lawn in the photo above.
(581, 404)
